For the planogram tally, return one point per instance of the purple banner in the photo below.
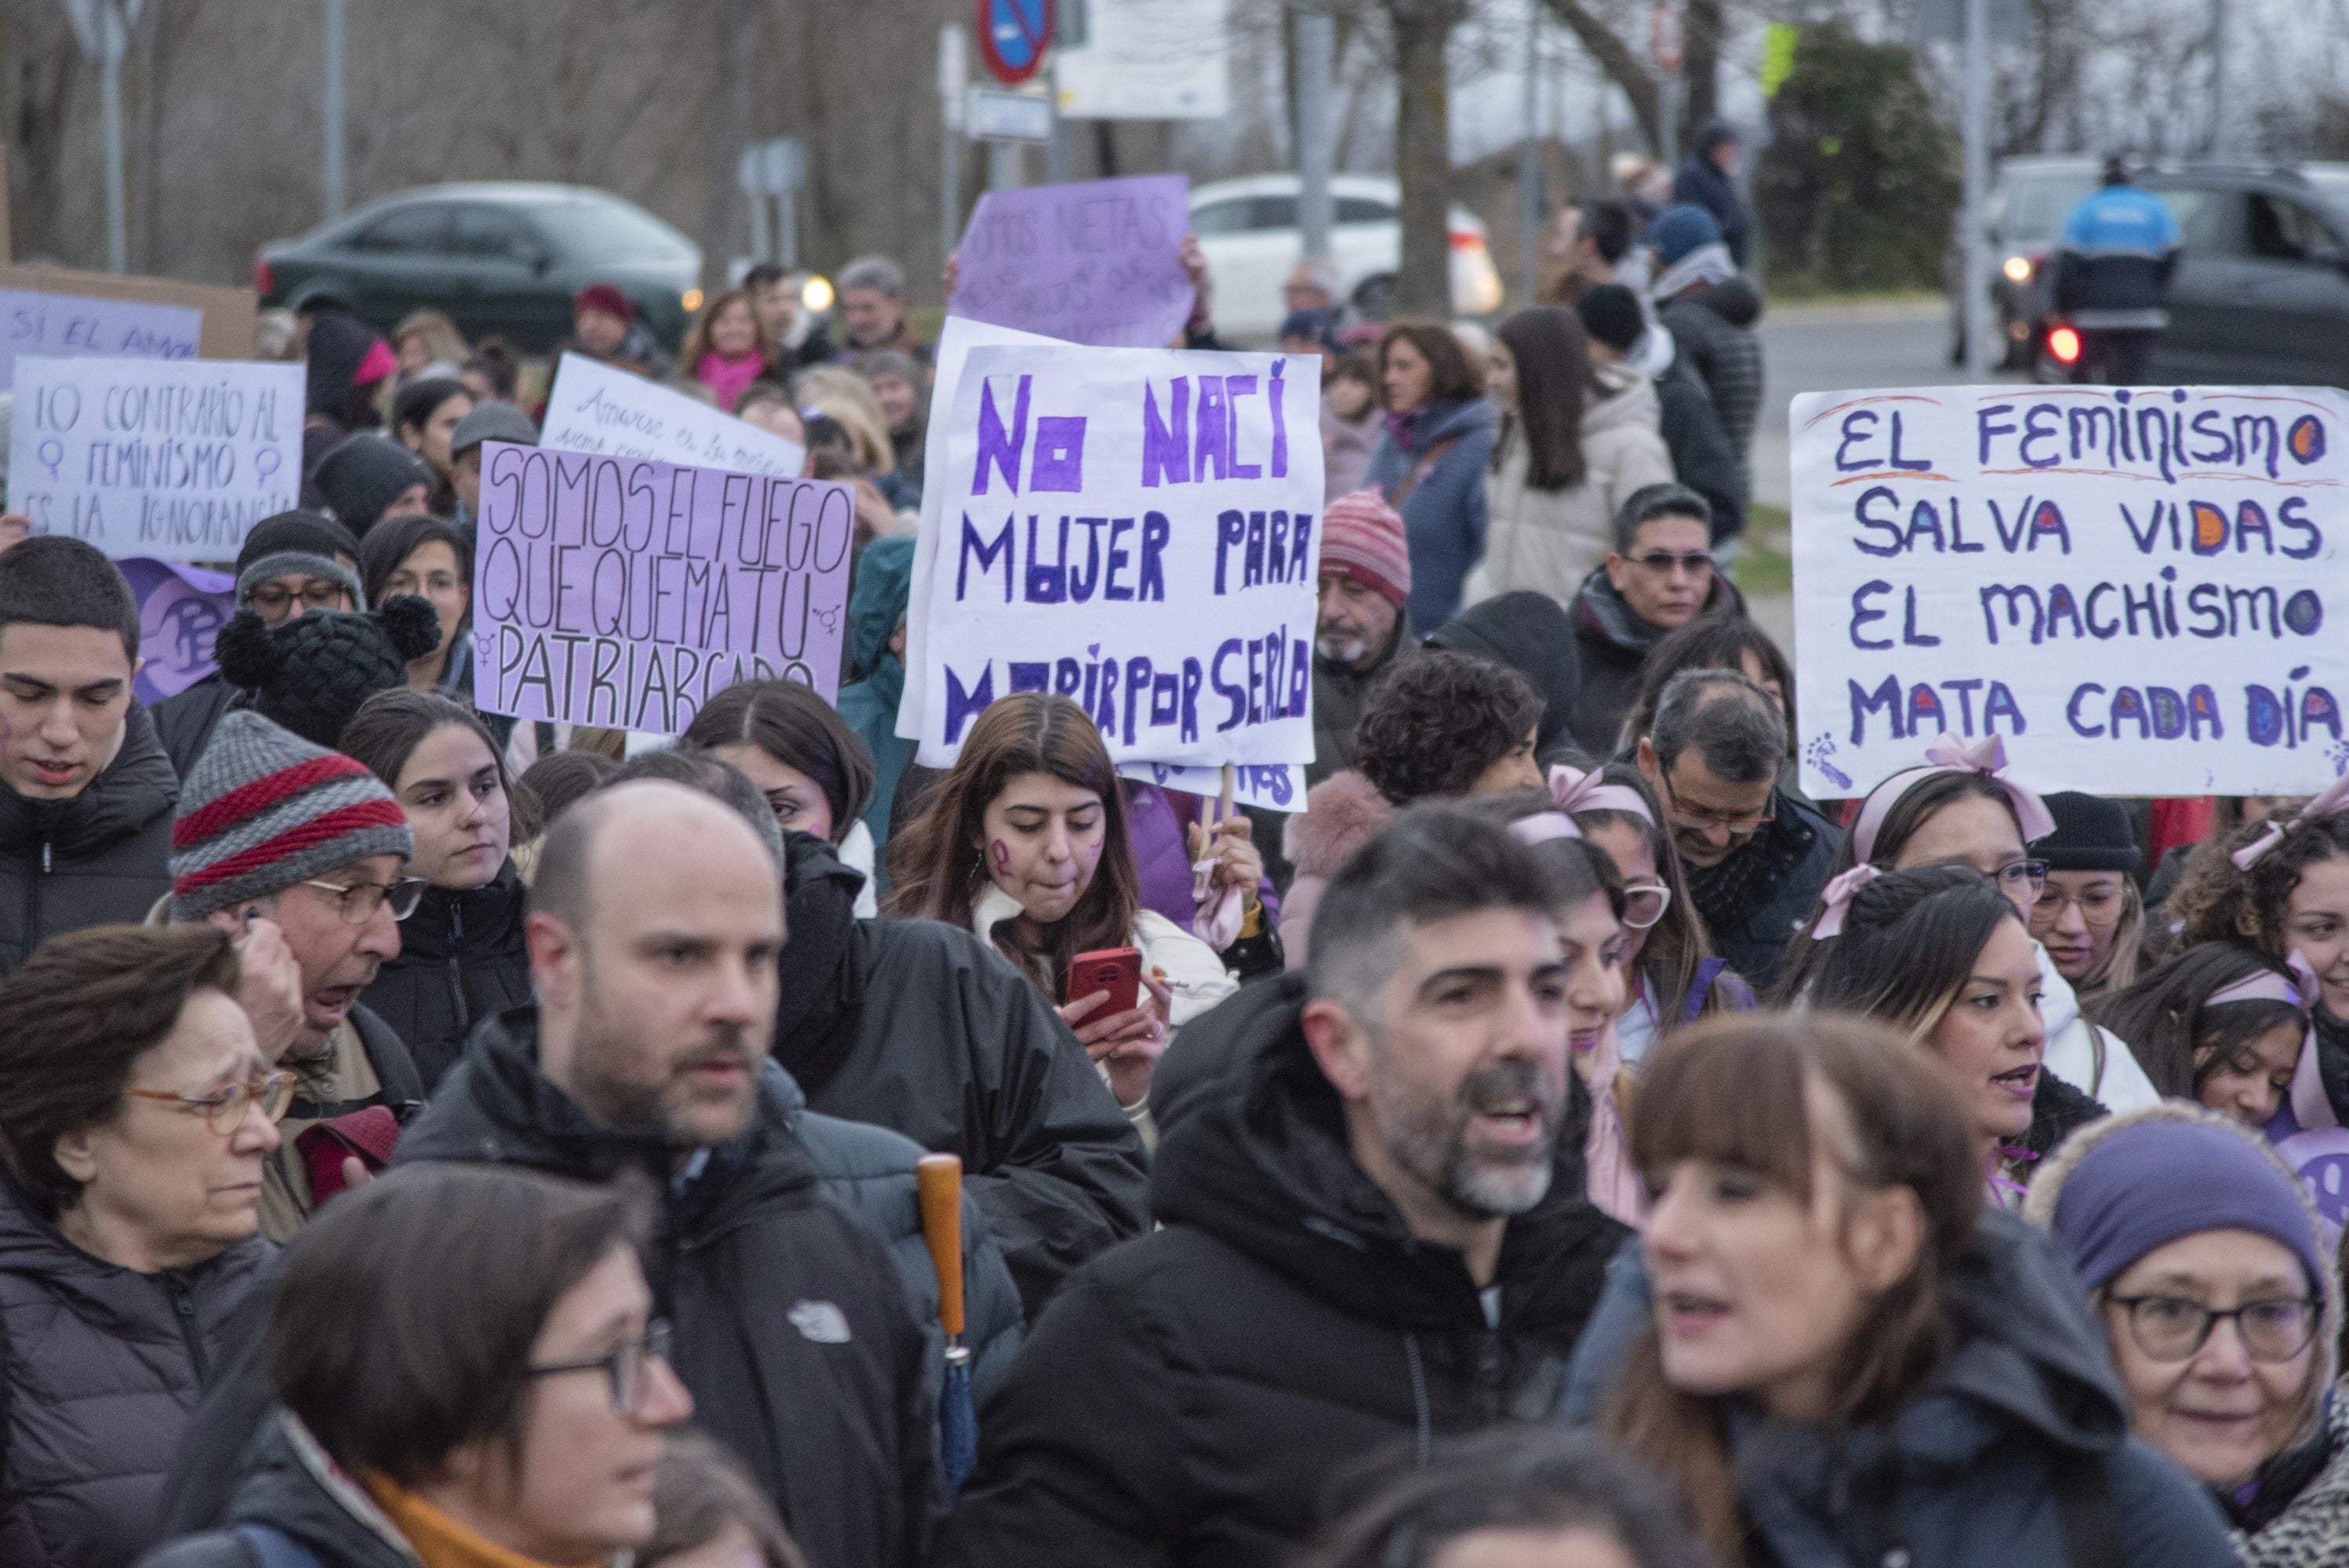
(625, 592)
(180, 609)
(1097, 263)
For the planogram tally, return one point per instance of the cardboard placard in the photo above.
(225, 315)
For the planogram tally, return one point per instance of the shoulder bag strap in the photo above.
(1425, 465)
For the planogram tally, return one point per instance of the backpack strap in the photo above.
(274, 1548)
(2083, 1504)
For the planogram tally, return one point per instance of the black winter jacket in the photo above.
(1187, 1397)
(1712, 330)
(101, 1366)
(1530, 633)
(918, 1026)
(290, 1484)
(461, 959)
(102, 856)
(1752, 901)
(1701, 456)
(185, 720)
(1613, 644)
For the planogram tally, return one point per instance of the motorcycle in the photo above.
(2071, 355)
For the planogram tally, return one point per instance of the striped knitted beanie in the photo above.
(264, 809)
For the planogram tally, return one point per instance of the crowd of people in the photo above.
(429, 1140)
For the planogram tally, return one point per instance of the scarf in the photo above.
(1705, 264)
(439, 1541)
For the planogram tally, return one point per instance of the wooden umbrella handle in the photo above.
(939, 1177)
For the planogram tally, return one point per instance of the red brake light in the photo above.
(2065, 344)
(263, 280)
(1466, 240)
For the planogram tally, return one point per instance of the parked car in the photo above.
(2261, 292)
(2023, 217)
(503, 257)
(1248, 229)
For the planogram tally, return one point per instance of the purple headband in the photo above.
(1543, 826)
(2332, 802)
(1951, 754)
(1839, 895)
(1574, 791)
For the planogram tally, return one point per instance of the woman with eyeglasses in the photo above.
(1675, 978)
(1941, 957)
(136, 1110)
(2089, 915)
(1961, 807)
(494, 1393)
(2221, 1300)
(462, 956)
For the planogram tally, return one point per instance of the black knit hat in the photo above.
(366, 474)
(1610, 315)
(2092, 834)
(311, 674)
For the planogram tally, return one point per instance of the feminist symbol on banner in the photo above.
(2320, 1159)
(1012, 37)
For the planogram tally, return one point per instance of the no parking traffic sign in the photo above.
(1012, 37)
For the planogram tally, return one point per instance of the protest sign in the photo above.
(61, 313)
(2141, 590)
(180, 609)
(624, 592)
(612, 413)
(1134, 528)
(1095, 262)
(175, 458)
(1271, 786)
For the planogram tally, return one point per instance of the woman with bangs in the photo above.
(1833, 1350)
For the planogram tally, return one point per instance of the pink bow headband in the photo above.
(1572, 791)
(2332, 802)
(1951, 754)
(1839, 895)
(1544, 826)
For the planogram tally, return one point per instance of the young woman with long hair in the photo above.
(1024, 841)
(1430, 465)
(1834, 1352)
(2222, 1024)
(726, 347)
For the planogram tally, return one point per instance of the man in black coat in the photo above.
(85, 791)
(915, 1026)
(1658, 578)
(1708, 178)
(1374, 1233)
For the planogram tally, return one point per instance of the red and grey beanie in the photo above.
(262, 809)
(1362, 538)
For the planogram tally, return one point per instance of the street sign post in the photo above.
(995, 115)
(1013, 37)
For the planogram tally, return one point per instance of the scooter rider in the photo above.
(2112, 268)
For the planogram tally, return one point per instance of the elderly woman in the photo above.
(491, 1393)
(135, 1112)
(2221, 1304)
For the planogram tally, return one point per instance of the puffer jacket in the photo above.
(1549, 541)
(103, 1365)
(100, 857)
(289, 1484)
(1702, 458)
(1614, 647)
(1188, 1398)
(1444, 508)
(1967, 1474)
(1341, 814)
(461, 959)
(1713, 329)
(917, 1027)
(185, 720)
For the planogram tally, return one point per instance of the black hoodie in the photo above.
(1528, 632)
(1614, 643)
(1187, 1397)
(103, 856)
(461, 959)
(918, 1026)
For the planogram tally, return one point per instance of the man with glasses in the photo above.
(1755, 857)
(1660, 577)
(271, 827)
(295, 563)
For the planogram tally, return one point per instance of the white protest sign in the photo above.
(1271, 786)
(625, 592)
(1135, 529)
(75, 326)
(2143, 591)
(955, 340)
(593, 408)
(174, 458)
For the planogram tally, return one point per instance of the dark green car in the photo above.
(503, 257)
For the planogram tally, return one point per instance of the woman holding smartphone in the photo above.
(1024, 841)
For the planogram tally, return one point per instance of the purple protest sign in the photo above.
(1097, 263)
(625, 592)
(180, 609)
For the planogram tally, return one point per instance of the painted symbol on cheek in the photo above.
(1001, 854)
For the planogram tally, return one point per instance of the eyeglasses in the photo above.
(1644, 905)
(2017, 875)
(623, 1365)
(271, 598)
(2099, 905)
(1699, 817)
(224, 1109)
(2172, 1328)
(360, 900)
(1696, 562)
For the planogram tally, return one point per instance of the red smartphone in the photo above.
(1116, 970)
